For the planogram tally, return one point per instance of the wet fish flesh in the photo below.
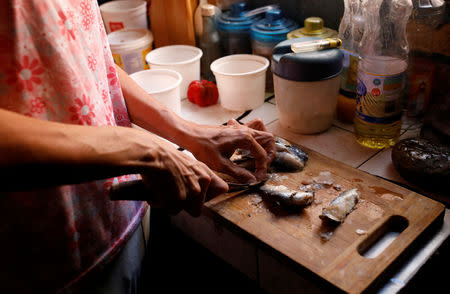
(341, 206)
(286, 196)
(289, 158)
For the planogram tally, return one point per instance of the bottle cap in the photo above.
(208, 9)
(235, 19)
(272, 28)
(313, 26)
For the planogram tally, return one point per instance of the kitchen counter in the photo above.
(248, 256)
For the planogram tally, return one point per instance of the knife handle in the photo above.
(131, 190)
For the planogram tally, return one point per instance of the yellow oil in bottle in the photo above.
(375, 135)
(381, 83)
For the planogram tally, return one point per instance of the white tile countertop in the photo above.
(339, 143)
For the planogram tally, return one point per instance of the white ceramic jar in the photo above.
(306, 87)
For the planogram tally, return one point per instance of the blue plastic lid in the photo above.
(273, 28)
(305, 66)
(235, 18)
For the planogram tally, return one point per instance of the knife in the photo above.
(137, 191)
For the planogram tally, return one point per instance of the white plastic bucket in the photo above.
(129, 48)
(181, 58)
(163, 85)
(124, 14)
(306, 107)
(241, 81)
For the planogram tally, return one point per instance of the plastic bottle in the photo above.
(426, 17)
(351, 31)
(207, 38)
(382, 72)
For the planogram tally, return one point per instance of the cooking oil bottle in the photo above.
(382, 72)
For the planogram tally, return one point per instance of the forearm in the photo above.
(151, 115)
(36, 153)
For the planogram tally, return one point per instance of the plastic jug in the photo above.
(268, 32)
(234, 29)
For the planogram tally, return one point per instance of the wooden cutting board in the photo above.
(300, 235)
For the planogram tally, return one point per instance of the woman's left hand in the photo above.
(214, 145)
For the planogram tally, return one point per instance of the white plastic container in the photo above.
(306, 86)
(306, 107)
(129, 48)
(124, 14)
(241, 80)
(181, 58)
(163, 85)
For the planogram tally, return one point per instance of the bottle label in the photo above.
(379, 97)
(349, 78)
(118, 60)
(143, 54)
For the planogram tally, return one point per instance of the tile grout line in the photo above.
(339, 127)
(268, 98)
(370, 157)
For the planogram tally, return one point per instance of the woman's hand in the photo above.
(212, 145)
(177, 181)
(215, 145)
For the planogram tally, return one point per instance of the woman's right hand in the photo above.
(177, 181)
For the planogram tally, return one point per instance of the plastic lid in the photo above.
(129, 39)
(123, 6)
(313, 27)
(235, 18)
(208, 9)
(272, 28)
(306, 66)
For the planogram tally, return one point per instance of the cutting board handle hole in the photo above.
(382, 237)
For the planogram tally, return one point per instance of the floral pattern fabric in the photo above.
(57, 66)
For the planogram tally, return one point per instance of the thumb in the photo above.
(237, 172)
(217, 187)
(232, 122)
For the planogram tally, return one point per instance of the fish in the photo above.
(288, 158)
(341, 206)
(286, 196)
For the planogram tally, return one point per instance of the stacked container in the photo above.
(124, 14)
(306, 86)
(129, 48)
(234, 29)
(268, 32)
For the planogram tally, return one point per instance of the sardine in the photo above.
(341, 206)
(286, 196)
(289, 158)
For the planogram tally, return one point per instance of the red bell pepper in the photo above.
(203, 93)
